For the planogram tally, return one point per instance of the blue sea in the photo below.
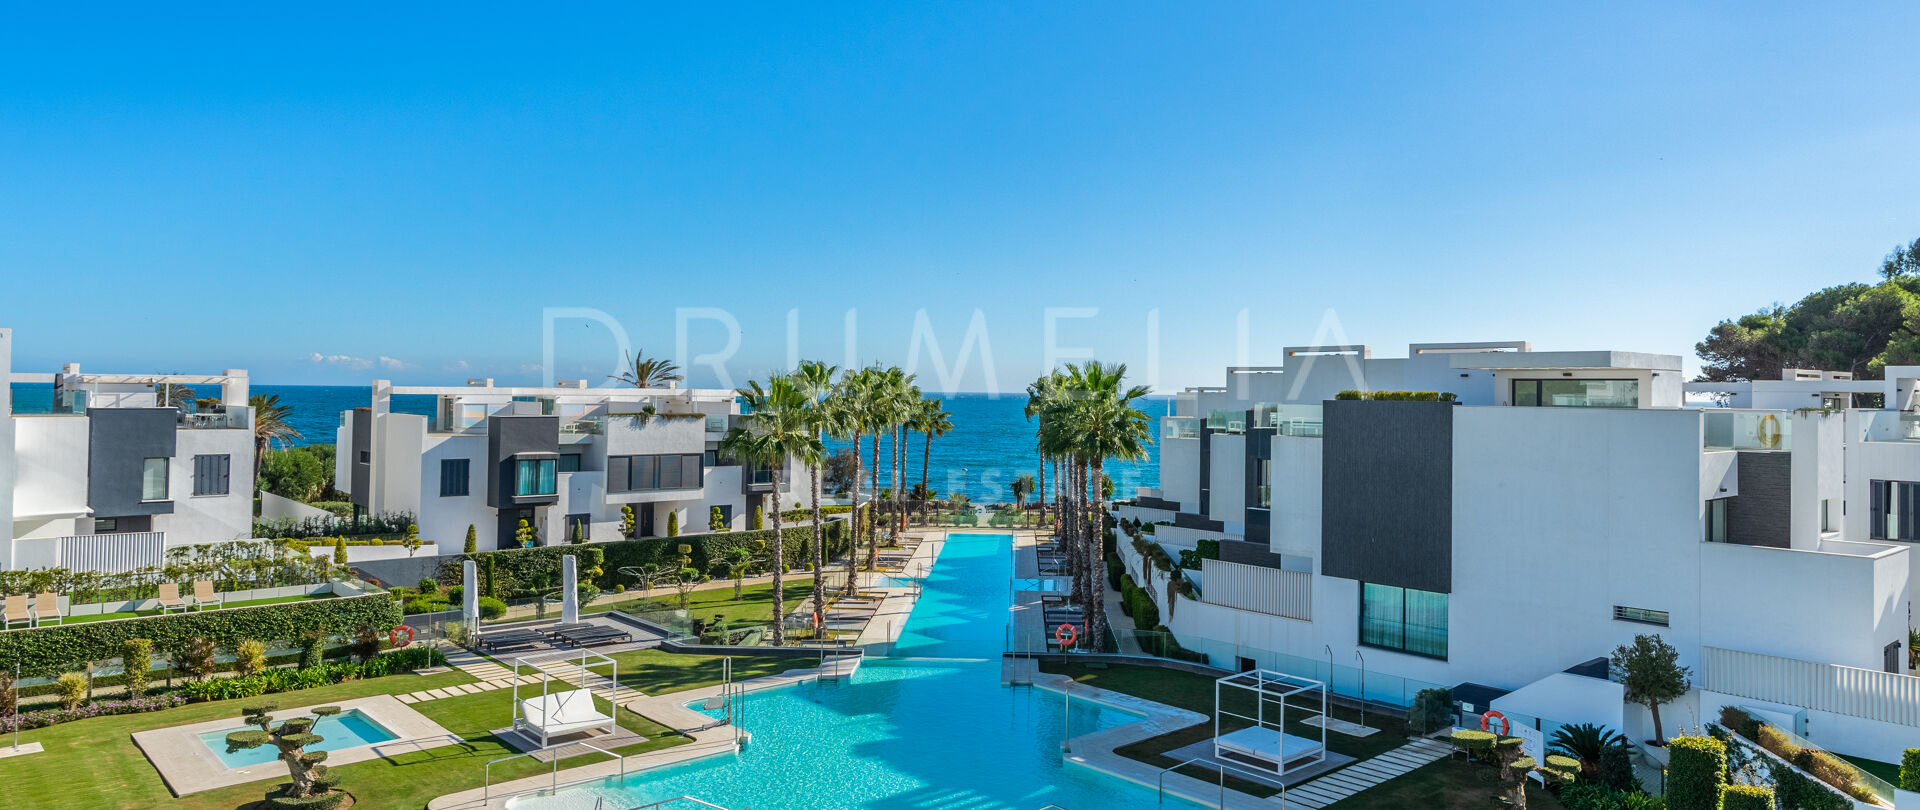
(991, 443)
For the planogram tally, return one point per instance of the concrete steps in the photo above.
(1359, 776)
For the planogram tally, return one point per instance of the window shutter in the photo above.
(224, 474)
(1877, 510)
(617, 480)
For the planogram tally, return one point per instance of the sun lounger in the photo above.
(555, 715)
(16, 610)
(511, 638)
(169, 598)
(203, 595)
(558, 629)
(594, 634)
(46, 607)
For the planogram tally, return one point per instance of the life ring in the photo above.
(394, 635)
(1066, 634)
(1768, 431)
(816, 621)
(1487, 719)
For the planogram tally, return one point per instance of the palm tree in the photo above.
(648, 372)
(270, 426)
(930, 421)
(815, 381)
(777, 429)
(844, 417)
(1023, 487)
(1586, 742)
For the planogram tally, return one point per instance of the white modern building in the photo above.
(558, 458)
(1562, 503)
(105, 476)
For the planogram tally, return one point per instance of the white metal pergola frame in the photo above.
(548, 665)
(1284, 691)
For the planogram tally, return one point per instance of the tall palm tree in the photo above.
(776, 430)
(930, 421)
(648, 372)
(815, 381)
(1023, 487)
(270, 426)
(844, 417)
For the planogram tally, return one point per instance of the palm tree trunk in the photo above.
(779, 564)
(1097, 605)
(926, 458)
(853, 547)
(873, 528)
(819, 550)
(1040, 496)
(900, 491)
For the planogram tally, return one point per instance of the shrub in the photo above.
(366, 643)
(195, 658)
(340, 551)
(137, 658)
(9, 697)
(1432, 709)
(673, 524)
(456, 595)
(1910, 770)
(429, 585)
(1775, 740)
(312, 647)
(1747, 797)
(26, 721)
(491, 608)
(250, 657)
(473, 540)
(1616, 770)
(1406, 396)
(73, 689)
(1696, 773)
(1834, 771)
(45, 649)
(421, 604)
(1735, 718)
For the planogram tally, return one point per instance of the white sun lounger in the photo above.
(1266, 745)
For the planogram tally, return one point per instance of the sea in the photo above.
(992, 442)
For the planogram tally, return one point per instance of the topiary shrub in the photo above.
(1478, 744)
(429, 585)
(136, 658)
(1910, 770)
(1696, 773)
(1747, 797)
(312, 784)
(491, 608)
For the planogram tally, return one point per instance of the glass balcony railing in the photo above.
(1180, 427)
(237, 418)
(584, 426)
(1889, 426)
(1227, 421)
(1747, 430)
(716, 423)
(1290, 420)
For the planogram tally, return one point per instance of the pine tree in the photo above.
(340, 550)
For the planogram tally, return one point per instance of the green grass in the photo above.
(94, 764)
(135, 614)
(658, 673)
(755, 604)
(1194, 693)
(1450, 783)
(1885, 770)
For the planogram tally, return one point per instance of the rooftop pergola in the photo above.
(1277, 697)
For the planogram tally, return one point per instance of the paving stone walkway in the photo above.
(1358, 777)
(493, 676)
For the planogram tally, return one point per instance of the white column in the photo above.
(469, 594)
(570, 594)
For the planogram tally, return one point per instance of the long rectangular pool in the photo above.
(929, 728)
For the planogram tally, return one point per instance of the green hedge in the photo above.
(1398, 396)
(1696, 773)
(1910, 770)
(60, 648)
(519, 570)
(1747, 797)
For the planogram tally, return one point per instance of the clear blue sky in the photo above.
(190, 188)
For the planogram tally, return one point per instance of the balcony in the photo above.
(1746, 430)
(1227, 421)
(1889, 426)
(717, 423)
(234, 418)
(1306, 421)
(1180, 427)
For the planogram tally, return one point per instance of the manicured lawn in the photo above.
(1195, 693)
(1885, 770)
(1450, 783)
(755, 604)
(658, 673)
(94, 763)
(247, 603)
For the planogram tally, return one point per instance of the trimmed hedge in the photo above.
(1747, 797)
(1910, 770)
(1398, 396)
(50, 650)
(521, 568)
(1696, 773)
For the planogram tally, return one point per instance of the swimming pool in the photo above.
(348, 729)
(930, 728)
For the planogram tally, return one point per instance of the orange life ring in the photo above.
(1066, 634)
(394, 635)
(1486, 720)
(816, 621)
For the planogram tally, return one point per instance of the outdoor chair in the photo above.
(46, 606)
(203, 595)
(16, 611)
(169, 598)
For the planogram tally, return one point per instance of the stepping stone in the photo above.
(409, 699)
(436, 693)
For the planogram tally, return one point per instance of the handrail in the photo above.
(486, 789)
(1221, 767)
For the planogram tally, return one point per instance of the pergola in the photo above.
(1277, 698)
(572, 710)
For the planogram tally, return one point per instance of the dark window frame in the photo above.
(1900, 497)
(1446, 631)
(454, 470)
(1623, 613)
(650, 473)
(1539, 391)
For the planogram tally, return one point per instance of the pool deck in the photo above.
(891, 617)
(1029, 630)
(188, 766)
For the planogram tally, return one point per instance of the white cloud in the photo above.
(391, 364)
(348, 361)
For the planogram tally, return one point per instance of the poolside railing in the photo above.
(486, 789)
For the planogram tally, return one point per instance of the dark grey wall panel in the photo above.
(362, 493)
(120, 440)
(1206, 469)
(1759, 515)
(1189, 520)
(1259, 450)
(1386, 494)
(1248, 553)
(511, 435)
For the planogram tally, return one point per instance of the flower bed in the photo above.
(1803, 776)
(27, 721)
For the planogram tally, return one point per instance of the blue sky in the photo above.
(372, 191)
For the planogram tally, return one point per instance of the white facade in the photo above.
(76, 490)
(1567, 530)
(597, 436)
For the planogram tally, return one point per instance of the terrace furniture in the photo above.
(593, 634)
(203, 594)
(46, 606)
(511, 638)
(16, 611)
(562, 713)
(1266, 747)
(169, 598)
(559, 629)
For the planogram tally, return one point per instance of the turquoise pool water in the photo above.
(929, 728)
(347, 729)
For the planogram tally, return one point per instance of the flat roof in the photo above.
(1593, 359)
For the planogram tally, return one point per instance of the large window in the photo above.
(1403, 619)
(1717, 520)
(534, 477)
(210, 474)
(1568, 392)
(646, 473)
(1890, 507)
(455, 477)
(153, 480)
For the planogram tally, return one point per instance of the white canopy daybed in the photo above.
(547, 714)
(562, 713)
(1267, 746)
(1276, 699)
